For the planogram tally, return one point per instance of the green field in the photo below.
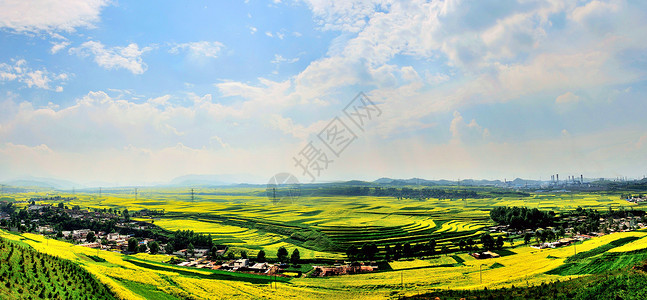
(323, 227)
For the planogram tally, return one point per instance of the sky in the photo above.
(140, 92)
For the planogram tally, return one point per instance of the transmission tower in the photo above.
(192, 195)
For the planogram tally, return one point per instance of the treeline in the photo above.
(369, 251)
(522, 217)
(187, 239)
(400, 193)
(29, 274)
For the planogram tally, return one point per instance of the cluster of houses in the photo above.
(635, 199)
(562, 242)
(484, 255)
(237, 265)
(346, 268)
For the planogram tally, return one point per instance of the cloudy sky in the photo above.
(134, 92)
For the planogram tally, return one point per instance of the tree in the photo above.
(282, 254)
(61, 205)
(126, 215)
(368, 251)
(527, 237)
(397, 251)
(132, 245)
(387, 255)
(260, 256)
(540, 236)
(295, 258)
(90, 237)
(470, 244)
(431, 246)
(561, 232)
(487, 241)
(142, 248)
(499, 242)
(406, 250)
(169, 248)
(462, 244)
(351, 252)
(190, 249)
(154, 247)
(243, 254)
(444, 249)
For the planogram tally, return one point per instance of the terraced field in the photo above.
(245, 219)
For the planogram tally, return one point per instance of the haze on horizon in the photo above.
(142, 92)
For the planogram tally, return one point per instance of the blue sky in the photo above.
(137, 92)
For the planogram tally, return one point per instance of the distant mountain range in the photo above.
(246, 180)
(186, 180)
(41, 182)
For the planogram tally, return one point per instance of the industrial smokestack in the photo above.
(557, 178)
(581, 178)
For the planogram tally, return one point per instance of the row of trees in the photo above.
(522, 217)
(182, 239)
(369, 251)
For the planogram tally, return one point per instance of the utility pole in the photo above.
(99, 192)
(192, 195)
(481, 273)
(135, 194)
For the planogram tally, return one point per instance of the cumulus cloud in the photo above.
(199, 49)
(349, 16)
(21, 72)
(58, 47)
(466, 132)
(128, 57)
(43, 15)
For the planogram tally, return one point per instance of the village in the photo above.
(113, 230)
(125, 236)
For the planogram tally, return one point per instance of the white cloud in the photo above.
(463, 132)
(128, 57)
(162, 100)
(278, 59)
(594, 9)
(566, 98)
(350, 15)
(252, 29)
(59, 46)
(21, 72)
(43, 15)
(200, 49)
